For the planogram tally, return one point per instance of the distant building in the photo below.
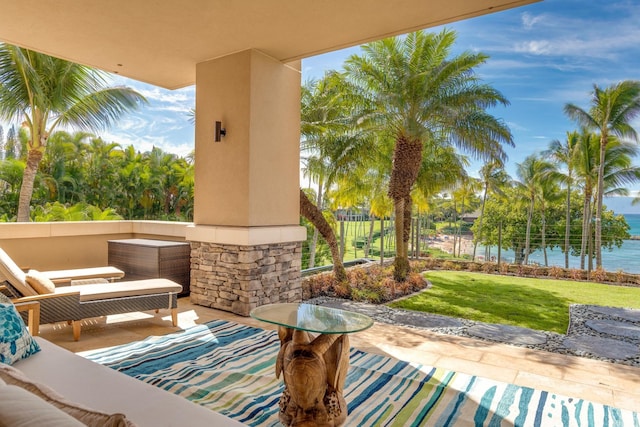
(471, 217)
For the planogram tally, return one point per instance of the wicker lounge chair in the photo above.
(85, 298)
(9, 267)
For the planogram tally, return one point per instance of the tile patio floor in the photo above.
(603, 382)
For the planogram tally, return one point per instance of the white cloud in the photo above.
(146, 143)
(528, 20)
(534, 47)
(131, 123)
(516, 127)
(167, 96)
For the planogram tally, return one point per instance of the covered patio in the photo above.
(244, 58)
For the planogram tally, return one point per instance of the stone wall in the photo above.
(239, 278)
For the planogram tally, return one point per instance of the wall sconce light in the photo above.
(220, 132)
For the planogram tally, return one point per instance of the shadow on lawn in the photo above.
(486, 300)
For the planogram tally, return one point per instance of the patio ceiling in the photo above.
(160, 42)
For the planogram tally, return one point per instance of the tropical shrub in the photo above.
(556, 272)
(372, 283)
(599, 275)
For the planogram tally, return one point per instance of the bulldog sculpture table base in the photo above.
(314, 367)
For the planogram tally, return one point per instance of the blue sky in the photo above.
(542, 56)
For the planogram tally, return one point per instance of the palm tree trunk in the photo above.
(590, 247)
(381, 240)
(417, 247)
(527, 242)
(407, 158)
(367, 245)
(462, 212)
(314, 240)
(586, 219)
(408, 203)
(401, 262)
(479, 237)
(544, 243)
(567, 226)
(455, 228)
(26, 190)
(598, 242)
(313, 214)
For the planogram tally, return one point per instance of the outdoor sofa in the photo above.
(42, 384)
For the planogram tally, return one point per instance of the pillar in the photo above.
(246, 239)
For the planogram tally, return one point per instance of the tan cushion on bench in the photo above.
(85, 273)
(39, 282)
(132, 288)
(19, 408)
(82, 413)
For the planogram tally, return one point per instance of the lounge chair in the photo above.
(9, 267)
(85, 298)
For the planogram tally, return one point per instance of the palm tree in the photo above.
(420, 96)
(44, 93)
(442, 167)
(465, 193)
(611, 112)
(587, 177)
(532, 173)
(618, 171)
(565, 153)
(493, 178)
(329, 144)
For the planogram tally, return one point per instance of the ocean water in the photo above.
(634, 222)
(626, 258)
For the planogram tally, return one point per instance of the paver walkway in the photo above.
(604, 333)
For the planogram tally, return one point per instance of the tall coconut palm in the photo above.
(610, 114)
(532, 173)
(421, 95)
(465, 196)
(565, 153)
(548, 195)
(493, 178)
(45, 93)
(618, 172)
(587, 178)
(442, 167)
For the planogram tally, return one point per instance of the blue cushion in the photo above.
(15, 341)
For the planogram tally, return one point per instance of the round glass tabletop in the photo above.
(312, 318)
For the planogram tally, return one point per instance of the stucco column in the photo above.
(246, 238)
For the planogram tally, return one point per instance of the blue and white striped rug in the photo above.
(230, 368)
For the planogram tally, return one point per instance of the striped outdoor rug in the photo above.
(230, 368)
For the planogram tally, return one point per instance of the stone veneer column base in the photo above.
(239, 278)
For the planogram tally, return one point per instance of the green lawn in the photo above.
(541, 304)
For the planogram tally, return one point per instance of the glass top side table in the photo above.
(314, 367)
(312, 318)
